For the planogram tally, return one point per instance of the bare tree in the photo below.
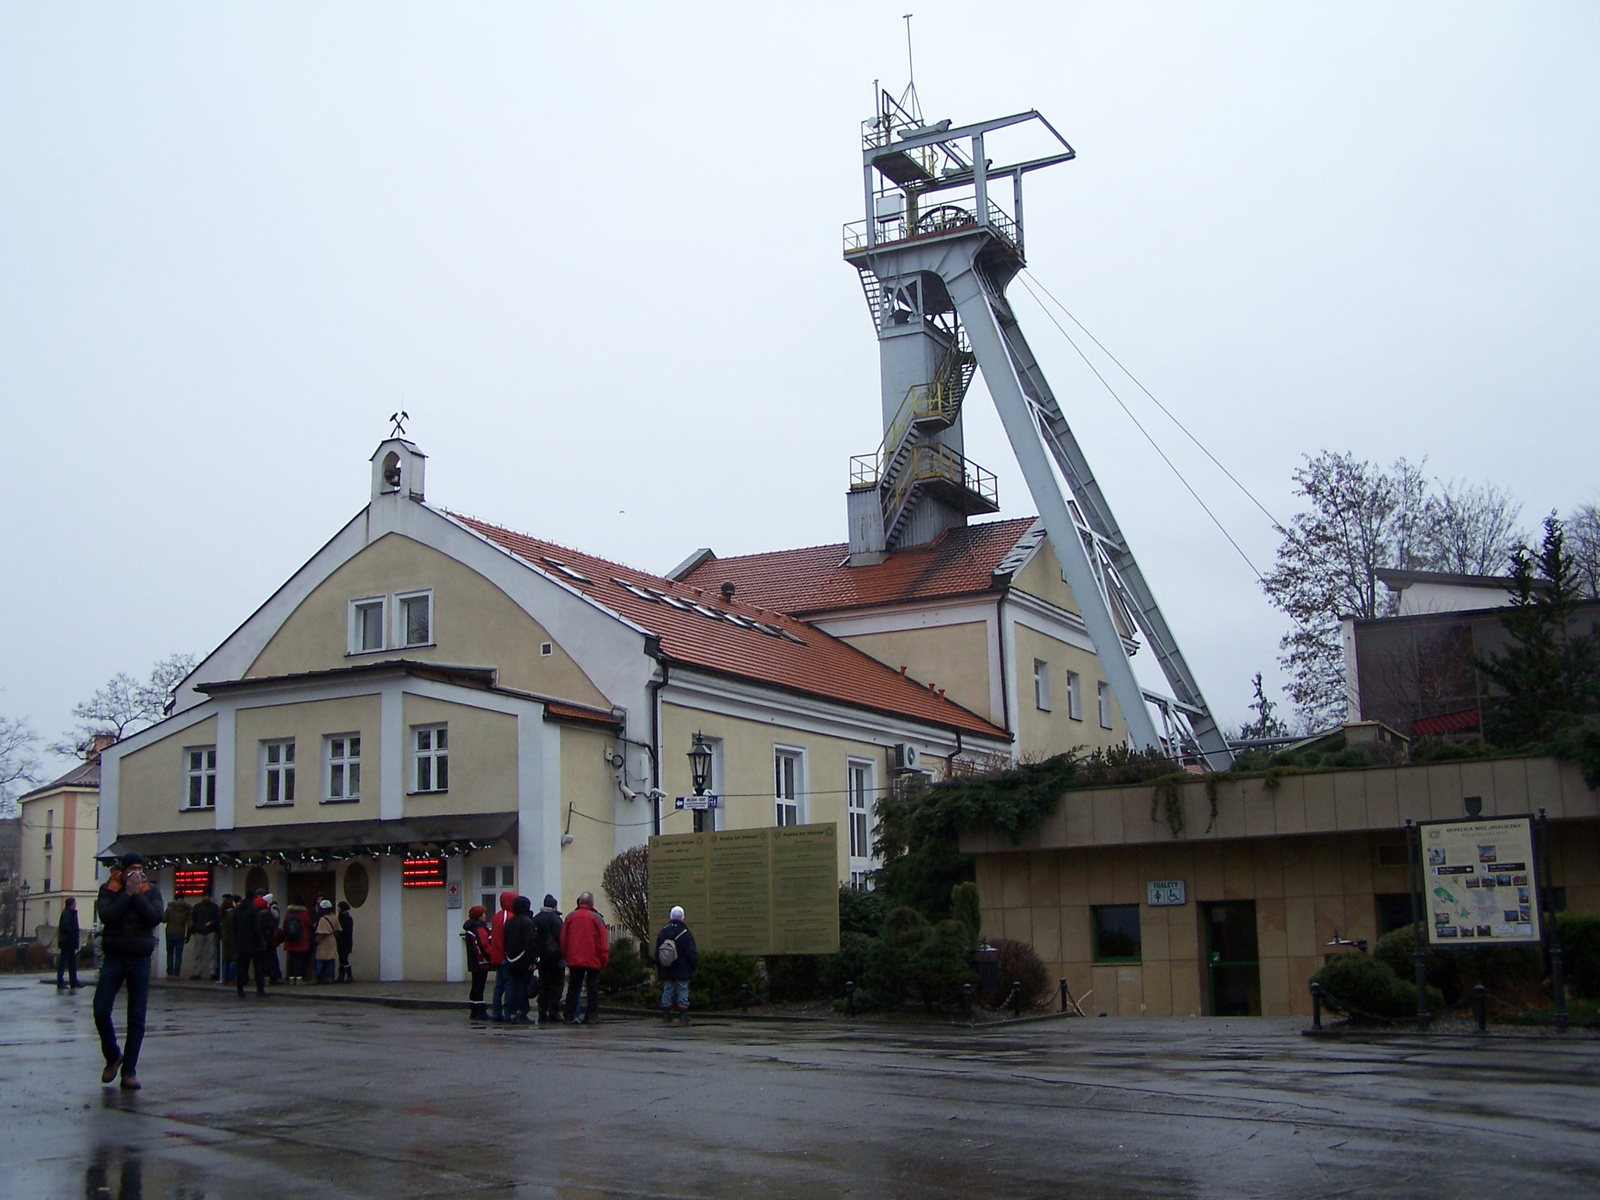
(626, 882)
(19, 765)
(125, 705)
(1470, 530)
(1583, 543)
(1360, 520)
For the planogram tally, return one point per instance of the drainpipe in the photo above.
(1005, 691)
(655, 740)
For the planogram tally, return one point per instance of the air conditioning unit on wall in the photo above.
(907, 757)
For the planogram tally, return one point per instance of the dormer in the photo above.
(398, 468)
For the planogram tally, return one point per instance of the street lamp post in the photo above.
(23, 891)
(700, 773)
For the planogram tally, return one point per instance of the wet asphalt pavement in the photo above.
(288, 1098)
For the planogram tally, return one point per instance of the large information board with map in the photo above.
(751, 891)
(1479, 882)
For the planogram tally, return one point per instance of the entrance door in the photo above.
(306, 887)
(1233, 963)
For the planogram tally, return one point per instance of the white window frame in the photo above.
(433, 755)
(284, 767)
(1041, 685)
(381, 603)
(205, 775)
(341, 763)
(1075, 695)
(1102, 691)
(861, 793)
(796, 783)
(504, 875)
(401, 638)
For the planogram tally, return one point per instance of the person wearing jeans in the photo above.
(677, 965)
(129, 909)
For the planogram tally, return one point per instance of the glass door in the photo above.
(1233, 965)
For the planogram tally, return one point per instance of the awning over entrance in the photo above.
(318, 841)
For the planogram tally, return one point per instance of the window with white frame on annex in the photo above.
(860, 793)
(413, 615)
(342, 768)
(1102, 691)
(277, 771)
(1074, 695)
(494, 878)
(430, 758)
(1041, 685)
(199, 777)
(366, 625)
(788, 784)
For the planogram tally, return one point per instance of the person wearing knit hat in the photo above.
(326, 949)
(547, 944)
(129, 908)
(475, 933)
(677, 959)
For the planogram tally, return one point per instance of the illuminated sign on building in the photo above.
(422, 872)
(191, 881)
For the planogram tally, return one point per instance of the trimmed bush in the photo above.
(1019, 963)
(1580, 952)
(794, 977)
(942, 964)
(721, 975)
(891, 970)
(861, 911)
(1367, 983)
(847, 966)
(964, 908)
(626, 970)
(1501, 969)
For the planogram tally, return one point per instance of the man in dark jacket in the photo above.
(676, 966)
(247, 946)
(129, 908)
(587, 948)
(547, 944)
(204, 921)
(517, 936)
(67, 938)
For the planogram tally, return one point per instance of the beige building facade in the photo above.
(1267, 883)
(434, 709)
(60, 835)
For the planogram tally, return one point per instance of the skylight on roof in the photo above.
(569, 572)
(705, 610)
(636, 590)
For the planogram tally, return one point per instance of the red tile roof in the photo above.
(698, 628)
(815, 579)
(1466, 718)
(85, 775)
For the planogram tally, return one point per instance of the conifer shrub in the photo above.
(626, 970)
(718, 982)
(1511, 972)
(847, 966)
(794, 977)
(1368, 984)
(1580, 952)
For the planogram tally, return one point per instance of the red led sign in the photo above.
(422, 872)
(191, 881)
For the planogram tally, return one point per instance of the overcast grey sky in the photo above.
(596, 249)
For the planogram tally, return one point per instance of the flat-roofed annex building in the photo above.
(435, 708)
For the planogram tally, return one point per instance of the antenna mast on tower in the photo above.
(936, 251)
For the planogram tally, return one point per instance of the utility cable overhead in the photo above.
(1276, 524)
(1136, 424)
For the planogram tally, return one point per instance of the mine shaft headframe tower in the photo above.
(936, 251)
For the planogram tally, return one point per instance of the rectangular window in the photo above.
(1102, 692)
(199, 777)
(277, 772)
(859, 789)
(414, 615)
(1116, 932)
(343, 778)
(1074, 695)
(1041, 685)
(366, 625)
(431, 758)
(787, 785)
(492, 880)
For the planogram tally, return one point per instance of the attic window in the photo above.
(705, 610)
(741, 622)
(635, 590)
(796, 640)
(569, 572)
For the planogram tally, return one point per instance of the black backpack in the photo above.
(292, 929)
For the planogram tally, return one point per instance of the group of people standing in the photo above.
(522, 947)
(312, 940)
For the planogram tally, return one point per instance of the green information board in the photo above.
(751, 891)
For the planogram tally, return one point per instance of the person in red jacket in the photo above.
(497, 958)
(586, 947)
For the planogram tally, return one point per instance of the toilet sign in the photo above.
(1162, 893)
(452, 894)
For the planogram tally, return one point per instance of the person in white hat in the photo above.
(677, 959)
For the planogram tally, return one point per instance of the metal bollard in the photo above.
(744, 998)
(1316, 1006)
(849, 998)
(966, 1001)
(1063, 995)
(1015, 999)
(1480, 1005)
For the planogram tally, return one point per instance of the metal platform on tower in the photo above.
(936, 249)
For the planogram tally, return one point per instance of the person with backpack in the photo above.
(475, 933)
(497, 957)
(270, 934)
(517, 936)
(677, 959)
(297, 942)
(547, 940)
(587, 948)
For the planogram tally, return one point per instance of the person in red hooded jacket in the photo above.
(587, 948)
(497, 958)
